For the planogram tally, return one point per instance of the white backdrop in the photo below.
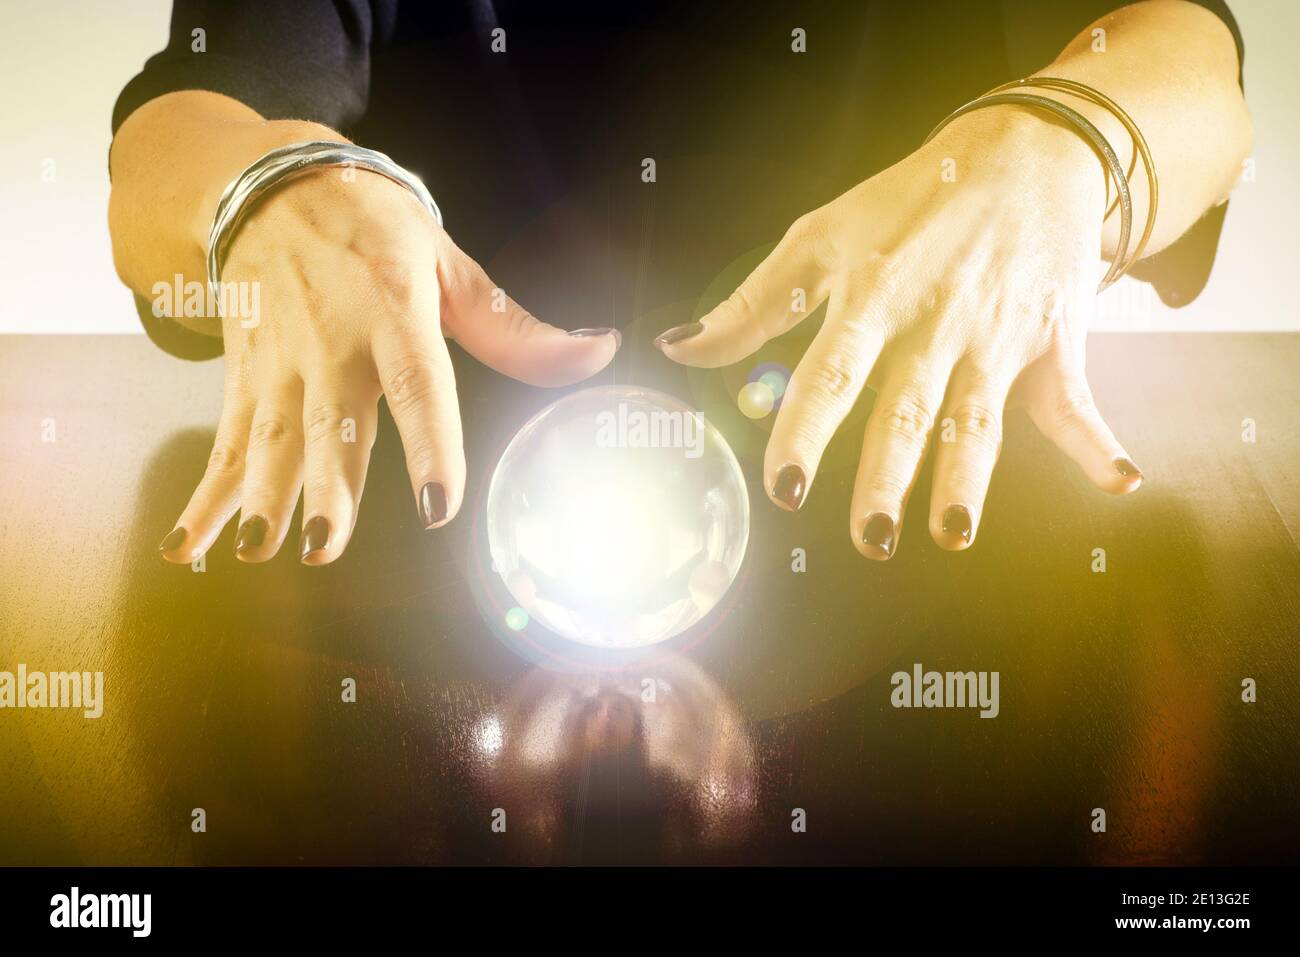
(62, 63)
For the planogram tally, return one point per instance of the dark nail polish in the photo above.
(1126, 468)
(173, 540)
(956, 521)
(789, 486)
(678, 333)
(315, 536)
(879, 533)
(251, 534)
(433, 504)
(604, 331)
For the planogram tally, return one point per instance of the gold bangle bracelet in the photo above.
(1139, 141)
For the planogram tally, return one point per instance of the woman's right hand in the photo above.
(358, 289)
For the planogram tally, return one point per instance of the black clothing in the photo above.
(587, 90)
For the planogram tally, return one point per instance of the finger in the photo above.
(777, 296)
(822, 390)
(895, 441)
(420, 386)
(1065, 412)
(970, 438)
(500, 333)
(272, 473)
(339, 417)
(217, 495)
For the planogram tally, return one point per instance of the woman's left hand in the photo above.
(959, 282)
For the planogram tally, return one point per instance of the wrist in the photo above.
(247, 145)
(170, 162)
(1007, 137)
(1020, 154)
(321, 192)
(1041, 140)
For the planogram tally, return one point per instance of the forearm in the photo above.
(1172, 66)
(170, 161)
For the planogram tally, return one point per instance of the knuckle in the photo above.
(907, 416)
(859, 323)
(270, 432)
(802, 228)
(326, 485)
(990, 374)
(1073, 410)
(968, 480)
(271, 498)
(392, 277)
(812, 233)
(324, 421)
(741, 307)
(462, 277)
(940, 296)
(886, 486)
(977, 420)
(259, 496)
(835, 379)
(423, 453)
(225, 459)
(521, 322)
(803, 231)
(885, 271)
(412, 383)
(807, 437)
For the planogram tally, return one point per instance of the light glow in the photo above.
(617, 517)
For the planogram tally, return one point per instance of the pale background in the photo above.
(63, 62)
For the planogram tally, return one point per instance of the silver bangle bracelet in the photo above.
(280, 164)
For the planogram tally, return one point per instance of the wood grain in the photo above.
(1119, 690)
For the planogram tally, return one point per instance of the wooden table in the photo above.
(1119, 690)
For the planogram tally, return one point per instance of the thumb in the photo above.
(500, 333)
(1062, 406)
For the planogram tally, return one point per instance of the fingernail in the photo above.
(789, 486)
(678, 333)
(433, 504)
(251, 534)
(879, 534)
(315, 536)
(956, 521)
(173, 540)
(1126, 468)
(603, 331)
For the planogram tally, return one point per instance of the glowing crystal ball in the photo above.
(617, 517)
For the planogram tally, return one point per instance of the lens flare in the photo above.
(774, 380)
(756, 399)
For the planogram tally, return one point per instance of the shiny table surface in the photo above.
(1119, 690)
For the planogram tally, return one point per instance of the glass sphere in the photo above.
(617, 517)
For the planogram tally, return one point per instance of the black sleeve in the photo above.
(288, 59)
